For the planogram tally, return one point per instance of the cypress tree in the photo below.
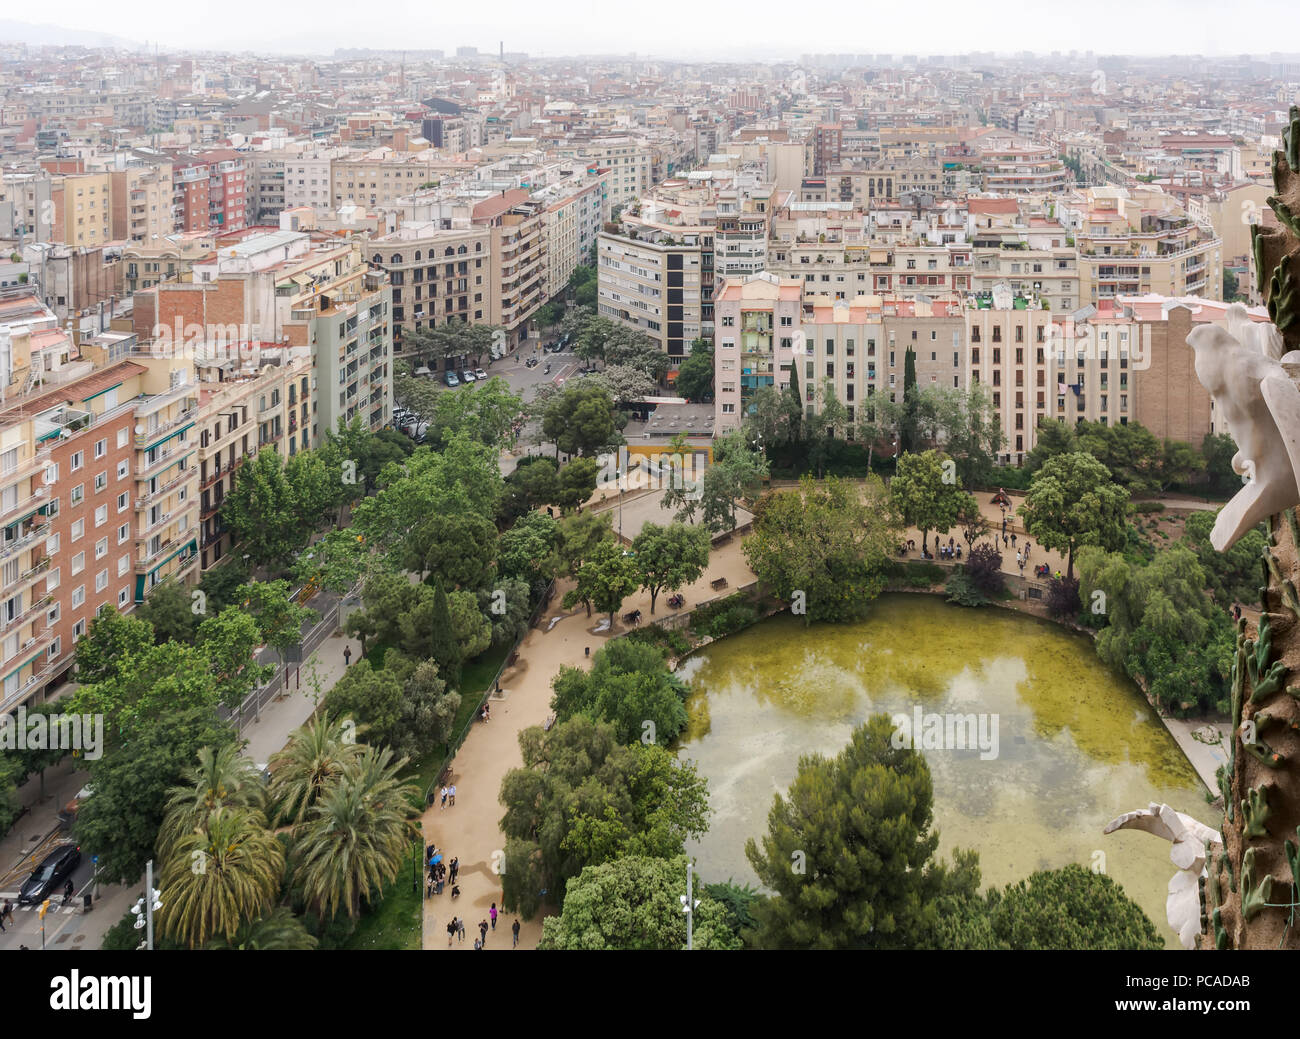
(444, 649)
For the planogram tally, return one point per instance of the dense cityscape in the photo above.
(628, 501)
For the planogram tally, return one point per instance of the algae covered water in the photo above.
(1076, 742)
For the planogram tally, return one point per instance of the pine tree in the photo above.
(444, 649)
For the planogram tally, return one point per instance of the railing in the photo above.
(22, 579)
(164, 459)
(143, 439)
(33, 535)
(31, 501)
(36, 679)
(180, 479)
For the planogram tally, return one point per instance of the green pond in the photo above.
(1078, 744)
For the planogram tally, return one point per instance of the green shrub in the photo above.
(916, 574)
(724, 617)
(1146, 507)
(674, 641)
(962, 590)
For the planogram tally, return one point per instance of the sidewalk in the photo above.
(470, 830)
(70, 928)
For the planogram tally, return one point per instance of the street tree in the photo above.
(670, 557)
(1072, 502)
(925, 490)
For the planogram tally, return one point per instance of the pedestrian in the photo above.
(451, 932)
(428, 891)
(483, 930)
(493, 914)
(7, 914)
(1013, 537)
(451, 797)
(1004, 540)
(444, 797)
(514, 929)
(347, 655)
(455, 868)
(478, 944)
(460, 928)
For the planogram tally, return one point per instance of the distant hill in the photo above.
(58, 36)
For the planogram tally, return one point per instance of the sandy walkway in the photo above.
(470, 830)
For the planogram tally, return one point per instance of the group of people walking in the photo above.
(456, 930)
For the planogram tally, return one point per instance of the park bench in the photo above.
(718, 583)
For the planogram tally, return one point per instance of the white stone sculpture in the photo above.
(1189, 838)
(1240, 368)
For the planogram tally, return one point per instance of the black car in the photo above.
(54, 869)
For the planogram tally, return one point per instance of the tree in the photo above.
(737, 472)
(262, 510)
(462, 549)
(507, 607)
(669, 557)
(223, 778)
(220, 584)
(1067, 908)
(1231, 575)
(830, 541)
(316, 755)
(278, 930)
(220, 876)
(1055, 437)
(582, 799)
(486, 411)
(428, 711)
(170, 610)
(110, 644)
(984, 568)
(634, 903)
(970, 520)
(278, 617)
(771, 418)
(577, 537)
(629, 685)
(357, 835)
(230, 639)
(1230, 286)
(859, 824)
(581, 421)
(131, 782)
(576, 483)
(1218, 450)
(925, 491)
(624, 383)
(371, 699)
(443, 648)
(695, 374)
(604, 580)
(908, 431)
(149, 684)
(1071, 502)
(337, 562)
(527, 550)
(795, 405)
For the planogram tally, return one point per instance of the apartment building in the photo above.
(191, 205)
(514, 220)
(247, 400)
(1140, 243)
(757, 318)
(630, 163)
(308, 182)
(171, 256)
(571, 221)
(1023, 170)
(380, 177)
(26, 206)
(83, 215)
(435, 274)
(314, 293)
(141, 210)
(658, 283)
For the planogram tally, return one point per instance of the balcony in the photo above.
(166, 459)
(179, 480)
(217, 474)
(143, 440)
(35, 609)
(28, 504)
(33, 649)
(34, 531)
(158, 555)
(23, 579)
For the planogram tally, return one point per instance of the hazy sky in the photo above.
(689, 28)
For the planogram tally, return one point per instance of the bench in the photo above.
(718, 583)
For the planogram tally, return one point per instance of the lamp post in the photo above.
(689, 905)
(145, 906)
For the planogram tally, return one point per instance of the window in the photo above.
(123, 565)
(101, 548)
(101, 580)
(101, 448)
(52, 615)
(122, 469)
(101, 515)
(52, 545)
(78, 460)
(123, 532)
(123, 435)
(79, 629)
(78, 494)
(78, 563)
(78, 530)
(78, 596)
(122, 596)
(101, 481)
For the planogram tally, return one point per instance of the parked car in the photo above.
(467, 375)
(480, 374)
(451, 379)
(54, 869)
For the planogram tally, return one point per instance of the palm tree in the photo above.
(277, 930)
(357, 834)
(316, 754)
(223, 777)
(219, 876)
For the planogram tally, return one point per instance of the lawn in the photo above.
(396, 922)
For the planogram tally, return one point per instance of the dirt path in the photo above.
(470, 830)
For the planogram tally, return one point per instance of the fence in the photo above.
(509, 661)
(263, 695)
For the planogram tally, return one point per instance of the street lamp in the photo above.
(689, 905)
(145, 907)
